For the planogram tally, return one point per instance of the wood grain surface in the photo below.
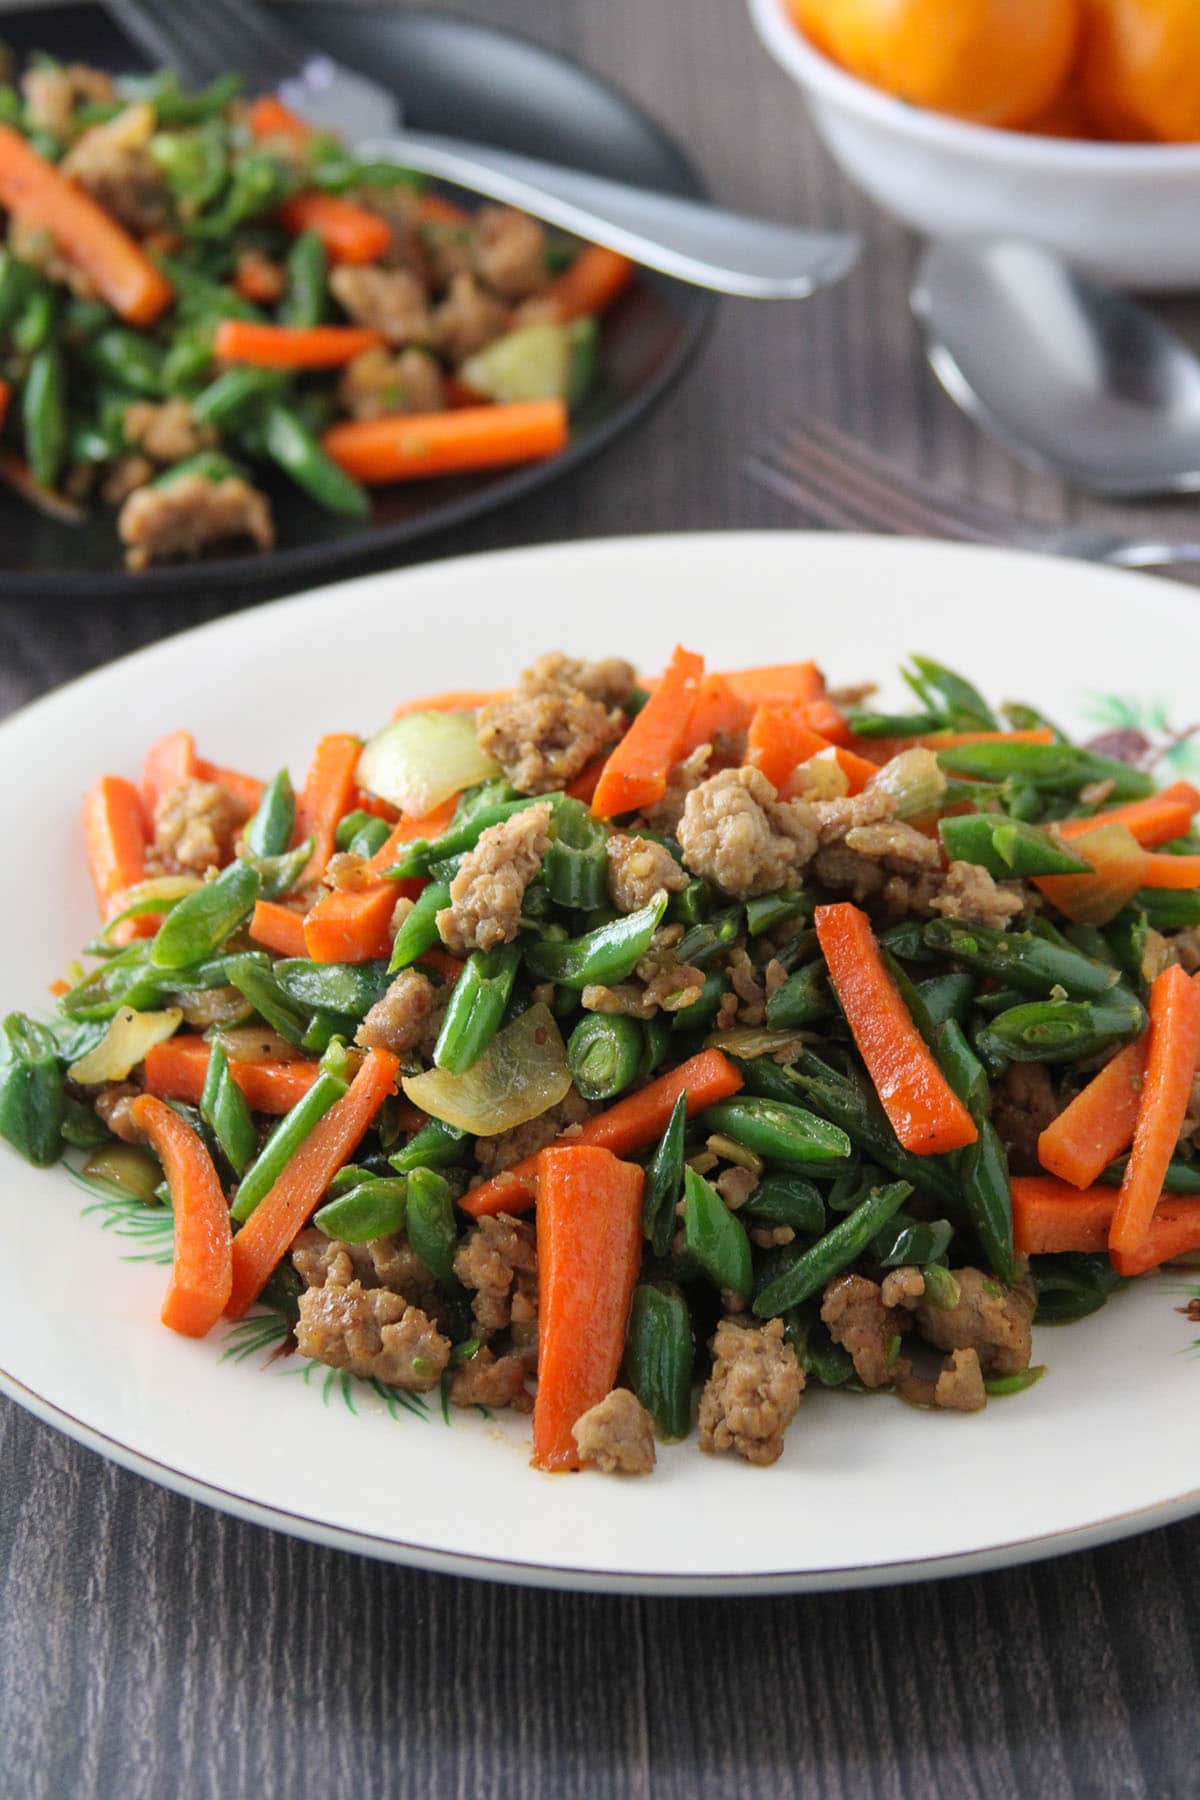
(153, 1650)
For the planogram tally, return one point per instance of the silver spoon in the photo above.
(1072, 378)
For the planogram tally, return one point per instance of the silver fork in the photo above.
(708, 246)
(837, 481)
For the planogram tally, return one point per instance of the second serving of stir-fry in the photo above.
(637, 1053)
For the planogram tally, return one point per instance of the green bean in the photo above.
(1181, 1177)
(1054, 1031)
(370, 837)
(269, 831)
(349, 988)
(1169, 909)
(808, 1272)
(705, 1007)
(32, 1095)
(856, 1108)
(211, 465)
(463, 834)
(1028, 718)
(195, 163)
(203, 920)
(418, 932)
(959, 705)
(997, 1386)
(1127, 940)
(1072, 1286)
(781, 1132)
(325, 1029)
(864, 723)
(223, 1109)
(289, 443)
(1022, 959)
(259, 183)
(602, 957)
(199, 300)
(818, 1355)
(907, 941)
(691, 904)
(477, 1005)
(283, 1143)
(235, 394)
(798, 950)
(982, 1166)
(905, 1241)
(433, 1146)
(1050, 768)
(1006, 847)
(306, 303)
(16, 278)
(575, 866)
(172, 106)
(658, 1356)
(430, 1224)
(279, 874)
(851, 1185)
(484, 795)
(125, 979)
(715, 1238)
(710, 939)
(941, 1287)
(45, 416)
(804, 998)
(128, 358)
(252, 976)
(81, 1126)
(604, 1054)
(374, 1208)
(946, 997)
(998, 1000)
(34, 327)
(664, 1179)
(765, 911)
(782, 1198)
(656, 1041)
(1092, 942)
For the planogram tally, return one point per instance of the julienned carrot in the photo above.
(38, 194)
(779, 741)
(265, 1237)
(256, 280)
(1155, 821)
(349, 233)
(630, 1125)
(635, 775)
(115, 839)
(167, 765)
(458, 700)
(349, 925)
(269, 117)
(1170, 871)
(594, 280)
(246, 788)
(325, 797)
(823, 716)
(589, 1240)
(436, 209)
(777, 684)
(1173, 1044)
(447, 966)
(277, 928)
(925, 1113)
(583, 786)
(291, 346)
(1099, 1122)
(718, 712)
(176, 1069)
(202, 1267)
(409, 447)
(1051, 1219)
(404, 832)
(1118, 871)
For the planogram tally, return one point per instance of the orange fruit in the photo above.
(1140, 68)
(997, 62)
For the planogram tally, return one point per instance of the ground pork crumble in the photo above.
(753, 1392)
(616, 1435)
(486, 894)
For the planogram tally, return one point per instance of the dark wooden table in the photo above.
(150, 1648)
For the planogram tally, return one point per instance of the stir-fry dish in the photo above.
(575, 1046)
(194, 288)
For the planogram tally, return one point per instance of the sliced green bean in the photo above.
(905, 1241)
(710, 939)
(1022, 959)
(602, 957)
(804, 999)
(202, 922)
(1050, 768)
(44, 405)
(957, 703)
(32, 1095)
(575, 866)
(1054, 1031)
(430, 1223)
(947, 997)
(765, 911)
(463, 834)
(418, 932)
(1006, 847)
(290, 444)
(658, 1356)
(477, 1006)
(434, 1146)
(283, 1143)
(374, 1208)
(784, 1133)
(252, 976)
(349, 988)
(604, 1054)
(664, 1181)
(808, 1272)
(715, 1238)
(269, 831)
(983, 1165)
(224, 1110)
(306, 302)
(782, 1198)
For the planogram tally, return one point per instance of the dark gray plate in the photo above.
(451, 75)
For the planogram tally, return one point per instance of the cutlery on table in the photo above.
(1070, 376)
(834, 480)
(729, 252)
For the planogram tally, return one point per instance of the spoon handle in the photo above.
(705, 245)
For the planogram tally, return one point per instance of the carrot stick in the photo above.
(636, 773)
(882, 749)
(409, 447)
(779, 740)
(583, 786)
(168, 764)
(176, 1069)
(594, 280)
(1155, 821)
(718, 710)
(1170, 871)
(325, 797)
(925, 1113)
(447, 966)
(632, 1124)
(291, 346)
(269, 117)
(589, 1240)
(349, 233)
(350, 926)
(246, 788)
(256, 281)
(113, 834)
(37, 193)
(460, 700)
(1173, 1043)
(285, 1208)
(777, 684)
(1118, 871)
(436, 209)
(1099, 1123)
(278, 929)
(202, 1269)
(1050, 1219)
(823, 716)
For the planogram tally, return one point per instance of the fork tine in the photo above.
(833, 506)
(886, 504)
(167, 37)
(278, 53)
(959, 508)
(202, 45)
